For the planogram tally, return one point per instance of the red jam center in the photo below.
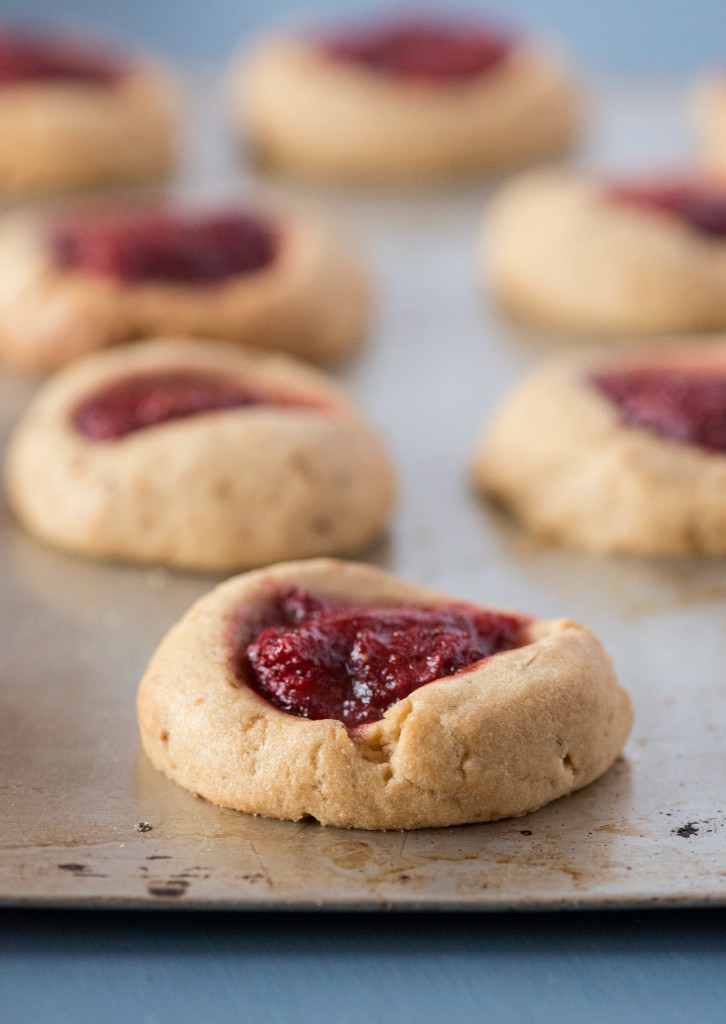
(680, 405)
(27, 58)
(166, 247)
(422, 51)
(151, 399)
(317, 658)
(702, 206)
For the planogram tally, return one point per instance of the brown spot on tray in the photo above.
(349, 855)
(81, 870)
(618, 830)
(168, 890)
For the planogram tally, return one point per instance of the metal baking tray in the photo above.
(85, 819)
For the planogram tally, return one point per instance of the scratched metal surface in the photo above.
(76, 635)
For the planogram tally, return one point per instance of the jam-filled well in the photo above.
(26, 57)
(422, 50)
(318, 658)
(166, 246)
(150, 399)
(688, 406)
(700, 204)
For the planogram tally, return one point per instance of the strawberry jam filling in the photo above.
(317, 658)
(422, 51)
(29, 58)
(680, 405)
(700, 205)
(150, 399)
(169, 247)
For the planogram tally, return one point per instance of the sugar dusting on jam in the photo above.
(421, 50)
(699, 204)
(26, 57)
(165, 246)
(317, 658)
(150, 399)
(688, 406)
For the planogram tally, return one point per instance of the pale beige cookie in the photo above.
(560, 251)
(59, 133)
(310, 300)
(497, 739)
(315, 115)
(710, 116)
(299, 473)
(574, 466)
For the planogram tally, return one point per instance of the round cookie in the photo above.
(710, 117)
(73, 114)
(197, 455)
(620, 258)
(76, 283)
(536, 717)
(616, 453)
(404, 100)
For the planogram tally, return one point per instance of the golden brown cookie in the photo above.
(616, 453)
(73, 115)
(609, 257)
(710, 116)
(198, 455)
(74, 283)
(404, 100)
(518, 711)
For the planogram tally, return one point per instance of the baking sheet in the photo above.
(85, 819)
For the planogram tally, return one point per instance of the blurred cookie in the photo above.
(75, 283)
(74, 114)
(335, 691)
(609, 257)
(404, 99)
(616, 453)
(710, 115)
(198, 455)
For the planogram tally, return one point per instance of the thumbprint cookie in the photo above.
(70, 284)
(74, 113)
(710, 117)
(612, 257)
(404, 99)
(197, 455)
(335, 691)
(622, 454)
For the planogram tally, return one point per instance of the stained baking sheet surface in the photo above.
(86, 821)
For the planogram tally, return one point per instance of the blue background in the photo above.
(175, 968)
